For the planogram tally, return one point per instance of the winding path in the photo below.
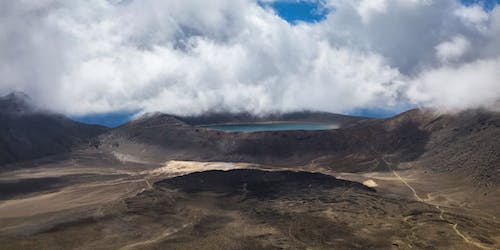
(441, 215)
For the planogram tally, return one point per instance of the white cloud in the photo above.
(452, 50)
(367, 8)
(473, 15)
(189, 57)
(473, 84)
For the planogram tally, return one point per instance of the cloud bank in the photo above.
(190, 57)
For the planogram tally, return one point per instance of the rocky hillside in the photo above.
(27, 133)
(464, 143)
(173, 135)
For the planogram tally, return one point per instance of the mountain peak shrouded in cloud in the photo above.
(15, 102)
(192, 57)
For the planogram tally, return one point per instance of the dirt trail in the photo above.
(155, 239)
(442, 212)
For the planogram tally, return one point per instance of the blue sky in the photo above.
(487, 4)
(111, 120)
(313, 11)
(294, 11)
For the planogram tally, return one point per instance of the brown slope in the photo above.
(172, 137)
(464, 143)
(27, 133)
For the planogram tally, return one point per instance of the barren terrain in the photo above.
(418, 180)
(223, 205)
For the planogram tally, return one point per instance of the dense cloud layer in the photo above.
(188, 57)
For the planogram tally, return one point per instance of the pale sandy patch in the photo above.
(370, 183)
(71, 197)
(186, 167)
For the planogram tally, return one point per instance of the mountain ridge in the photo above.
(461, 143)
(415, 135)
(29, 133)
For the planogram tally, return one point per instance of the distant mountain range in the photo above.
(464, 144)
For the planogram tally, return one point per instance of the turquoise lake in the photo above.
(279, 126)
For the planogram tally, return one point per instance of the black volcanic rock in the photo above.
(255, 183)
(258, 209)
(27, 133)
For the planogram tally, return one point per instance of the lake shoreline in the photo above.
(270, 126)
